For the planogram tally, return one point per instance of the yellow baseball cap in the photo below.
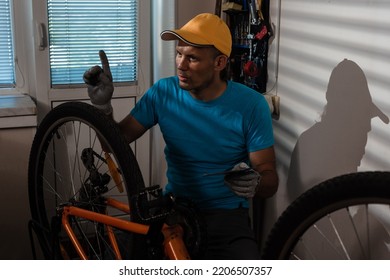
(202, 31)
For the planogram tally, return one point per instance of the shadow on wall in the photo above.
(335, 145)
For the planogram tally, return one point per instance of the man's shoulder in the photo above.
(170, 81)
(242, 87)
(241, 90)
(162, 86)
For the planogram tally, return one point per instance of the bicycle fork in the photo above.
(174, 245)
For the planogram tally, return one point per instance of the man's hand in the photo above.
(243, 183)
(100, 86)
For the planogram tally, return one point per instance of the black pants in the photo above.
(229, 235)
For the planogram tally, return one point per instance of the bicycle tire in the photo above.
(63, 135)
(337, 213)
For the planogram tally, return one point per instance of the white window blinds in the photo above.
(7, 77)
(79, 29)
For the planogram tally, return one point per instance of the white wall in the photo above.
(328, 124)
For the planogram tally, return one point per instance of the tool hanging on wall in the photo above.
(248, 21)
(254, 65)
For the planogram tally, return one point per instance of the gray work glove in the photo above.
(243, 183)
(100, 86)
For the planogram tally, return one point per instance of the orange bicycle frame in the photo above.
(174, 246)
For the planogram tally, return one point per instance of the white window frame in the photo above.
(120, 91)
(33, 69)
(32, 65)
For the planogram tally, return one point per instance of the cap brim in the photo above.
(187, 37)
(376, 112)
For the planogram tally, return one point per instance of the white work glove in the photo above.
(100, 86)
(243, 183)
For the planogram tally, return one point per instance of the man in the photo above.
(210, 125)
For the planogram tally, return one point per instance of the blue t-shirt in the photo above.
(206, 137)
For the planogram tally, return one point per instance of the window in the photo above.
(78, 29)
(7, 76)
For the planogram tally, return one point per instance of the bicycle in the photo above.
(81, 209)
(80, 195)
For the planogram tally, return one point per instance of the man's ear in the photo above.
(220, 62)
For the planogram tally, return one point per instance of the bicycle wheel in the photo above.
(347, 217)
(67, 166)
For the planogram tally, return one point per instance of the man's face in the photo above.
(195, 67)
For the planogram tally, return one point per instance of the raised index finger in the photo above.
(105, 64)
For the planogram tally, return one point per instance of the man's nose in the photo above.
(181, 63)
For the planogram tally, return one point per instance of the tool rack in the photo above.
(248, 21)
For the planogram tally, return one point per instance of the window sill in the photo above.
(17, 110)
